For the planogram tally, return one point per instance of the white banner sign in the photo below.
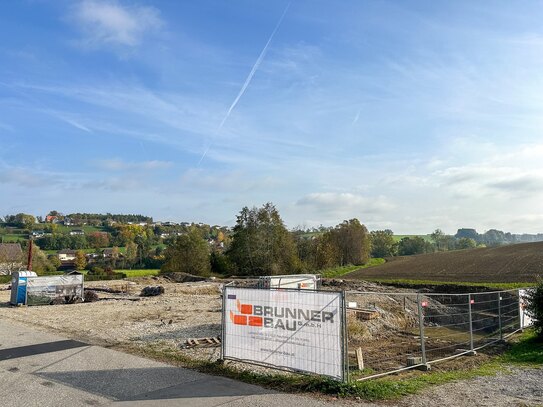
(525, 319)
(300, 330)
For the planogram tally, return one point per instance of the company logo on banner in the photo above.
(300, 330)
(279, 317)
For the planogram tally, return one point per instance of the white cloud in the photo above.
(110, 23)
(117, 164)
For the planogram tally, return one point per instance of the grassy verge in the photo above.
(139, 273)
(340, 271)
(406, 283)
(526, 350)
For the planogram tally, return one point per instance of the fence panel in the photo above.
(389, 332)
(297, 330)
(385, 329)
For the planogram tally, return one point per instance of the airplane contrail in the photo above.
(249, 78)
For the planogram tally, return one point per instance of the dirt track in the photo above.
(507, 264)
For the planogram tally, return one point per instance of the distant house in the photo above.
(11, 258)
(66, 255)
(51, 219)
(109, 253)
(77, 232)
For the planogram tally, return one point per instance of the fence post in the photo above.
(223, 312)
(470, 327)
(345, 333)
(500, 315)
(520, 313)
(421, 331)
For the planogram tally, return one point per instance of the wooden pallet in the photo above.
(203, 342)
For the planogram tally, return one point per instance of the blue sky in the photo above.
(407, 115)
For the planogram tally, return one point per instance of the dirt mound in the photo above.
(508, 264)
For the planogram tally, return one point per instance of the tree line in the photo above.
(260, 244)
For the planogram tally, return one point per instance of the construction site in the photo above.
(383, 323)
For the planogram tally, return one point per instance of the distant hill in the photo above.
(507, 264)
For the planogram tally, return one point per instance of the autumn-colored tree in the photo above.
(98, 240)
(80, 260)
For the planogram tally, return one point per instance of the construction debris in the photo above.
(90, 296)
(152, 290)
(203, 342)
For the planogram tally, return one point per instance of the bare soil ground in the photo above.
(506, 264)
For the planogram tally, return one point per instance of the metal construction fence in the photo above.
(358, 335)
(390, 332)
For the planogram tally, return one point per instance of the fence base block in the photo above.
(426, 367)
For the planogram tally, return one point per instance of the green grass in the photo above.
(12, 238)
(526, 351)
(139, 273)
(342, 270)
(420, 283)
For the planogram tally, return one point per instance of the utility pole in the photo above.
(29, 266)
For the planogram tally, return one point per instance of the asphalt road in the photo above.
(42, 369)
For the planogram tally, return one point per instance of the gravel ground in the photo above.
(188, 310)
(521, 387)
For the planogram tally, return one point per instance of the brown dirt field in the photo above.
(520, 263)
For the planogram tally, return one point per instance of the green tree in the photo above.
(439, 238)
(188, 254)
(382, 243)
(466, 243)
(80, 260)
(220, 264)
(413, 245)
(469, 233)
(54, 260)
(40, 263)
(21, 220)
(353, 242)
(534, 307)
(131, 253)
(327, 252)
(261, 244)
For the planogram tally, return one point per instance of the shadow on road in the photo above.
(152, 384)
(31, 350)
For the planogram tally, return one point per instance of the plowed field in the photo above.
(506, 264)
